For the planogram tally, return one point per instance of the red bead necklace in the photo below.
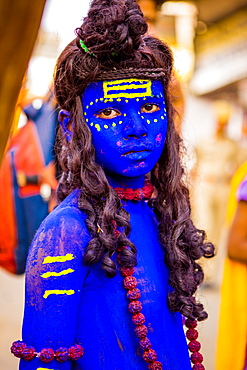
(141, 330)
(135, 306)
(136, 194)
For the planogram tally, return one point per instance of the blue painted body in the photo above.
(91, 308)
(96, 315)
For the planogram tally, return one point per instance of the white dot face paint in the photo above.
(128, 123)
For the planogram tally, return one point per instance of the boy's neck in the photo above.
(125, 182)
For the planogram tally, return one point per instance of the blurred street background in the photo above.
(209, 41)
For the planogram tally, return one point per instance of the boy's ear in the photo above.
(66, 124)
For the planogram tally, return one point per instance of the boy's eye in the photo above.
(150, 108)
(108, 113)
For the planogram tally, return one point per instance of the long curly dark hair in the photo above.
(115, 34)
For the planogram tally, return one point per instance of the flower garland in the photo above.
(46, 355)
(141, 330)
(136, 194)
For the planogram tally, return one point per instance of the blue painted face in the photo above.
(128, 122)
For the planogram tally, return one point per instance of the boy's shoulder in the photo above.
(67, 210)
(64, 229)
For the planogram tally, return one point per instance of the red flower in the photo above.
(130, 282)
(196, 358)
(191, 324)
(62, 354)
(46, 355)
(139, 194)
(194, 346)
(133, 294)
(129, 194)
(198, 367)
(156, 365)
(141, 331)
(127, 271)
(135, 306)
(145, 343)
(76, 352)
(150, 355)
(28, 353)
(17, 348)
(192, 334)
(148, 189)
(138, 319)
(120, 192)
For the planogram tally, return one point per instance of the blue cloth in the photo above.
(94, 313)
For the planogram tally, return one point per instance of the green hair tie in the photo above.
(85, 48)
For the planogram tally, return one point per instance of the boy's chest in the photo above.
(150, 272)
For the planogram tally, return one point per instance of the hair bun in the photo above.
(135, 18)
(113, 29)
(137, 25)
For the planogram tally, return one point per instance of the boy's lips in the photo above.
(135, 149)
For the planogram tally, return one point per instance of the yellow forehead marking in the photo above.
(120, 88)
(51, 259)
(58, 292)
(53, 273)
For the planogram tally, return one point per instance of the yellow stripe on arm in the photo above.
(51, 259)
(53, 273)
(58, 292)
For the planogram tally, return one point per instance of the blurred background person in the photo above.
(217, 158)
(28, 179)
(232, 333)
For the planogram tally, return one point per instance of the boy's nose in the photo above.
(135, 127)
